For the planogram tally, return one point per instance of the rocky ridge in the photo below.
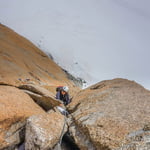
(28, 79)
(110, 115)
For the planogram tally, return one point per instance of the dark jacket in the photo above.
(65, 98)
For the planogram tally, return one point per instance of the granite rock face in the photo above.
(44, 131)
(41, 96)
(27, 75)
(15, 108)
(111, 115)
(21, 62)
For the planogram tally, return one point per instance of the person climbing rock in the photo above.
(63, 95)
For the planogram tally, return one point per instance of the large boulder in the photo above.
(15, 108)
(113, 114)
(43, 132)
(36, 89)
(41, 96)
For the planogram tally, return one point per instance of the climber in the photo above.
(62, 94)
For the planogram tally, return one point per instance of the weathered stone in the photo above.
(45, 101)
(43, 131)
(80, 138)
(21, 62)
(36, 89)
(107, 113)
(147, 127)
(15, 108)
(16, 133)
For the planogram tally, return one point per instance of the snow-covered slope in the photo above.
(93, 39)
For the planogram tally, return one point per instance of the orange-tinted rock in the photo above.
(111, 114)
(41, 96)
(22, 62)
(15, 108)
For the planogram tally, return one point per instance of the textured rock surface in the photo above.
(43, 131)
(15, 107)
(41, 96)
(36, 89)
(22, 62)
(111, 114)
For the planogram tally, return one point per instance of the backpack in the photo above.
(59, 88)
